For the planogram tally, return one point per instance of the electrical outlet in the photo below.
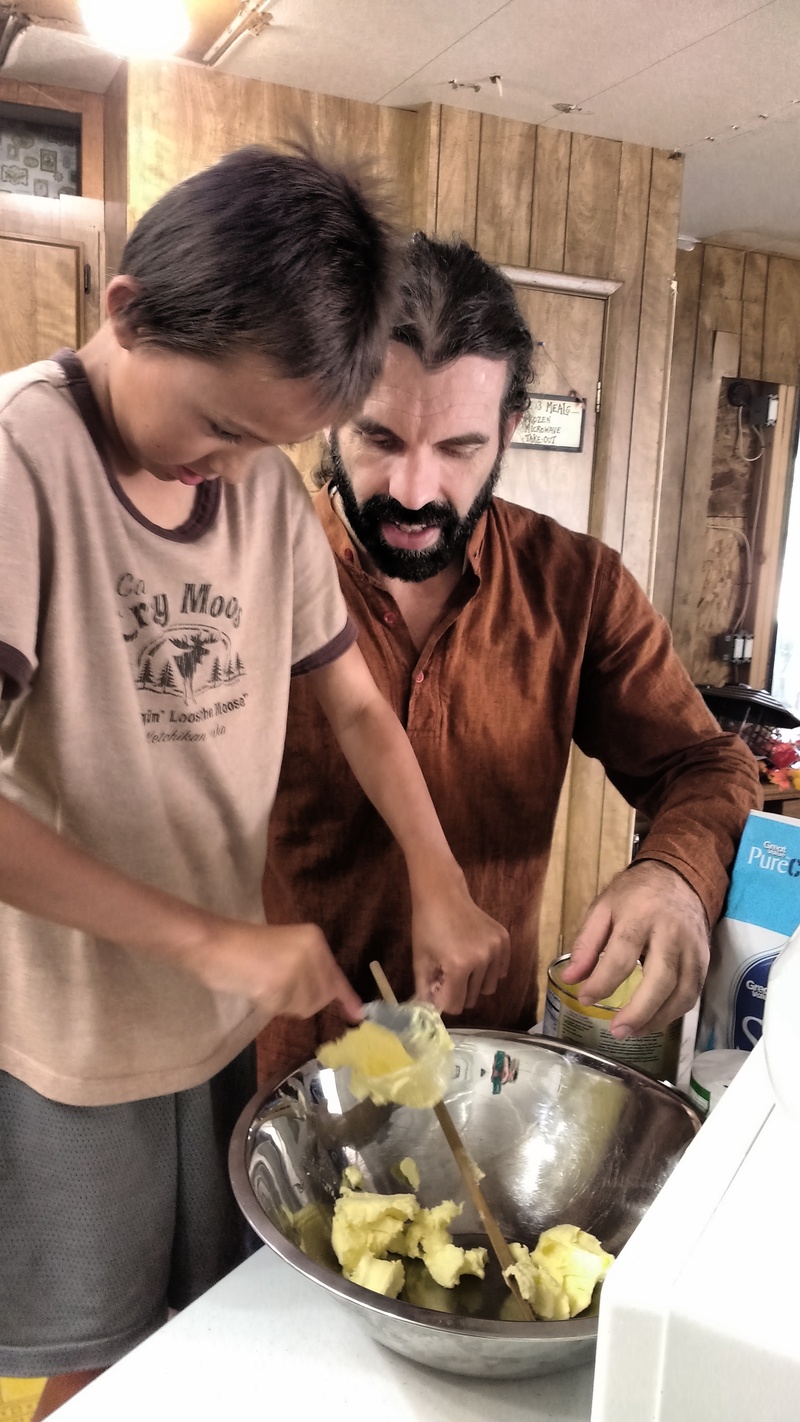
(763, 410)
(734, 647)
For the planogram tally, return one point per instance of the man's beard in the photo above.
(411, 565)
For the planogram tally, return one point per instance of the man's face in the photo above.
(187, 419)
(417, 467)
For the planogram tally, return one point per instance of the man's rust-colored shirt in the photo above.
(550, 640)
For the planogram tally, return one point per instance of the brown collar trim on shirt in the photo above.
(207, 498)
(347, 550)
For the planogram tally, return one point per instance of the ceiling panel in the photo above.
(43, 56)
(750, 188)
(749, 68)
(356, 48)
(567, 51)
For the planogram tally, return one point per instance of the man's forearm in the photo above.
(698, 810)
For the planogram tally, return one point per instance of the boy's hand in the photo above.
(288, 969)
(460, 953)
(649, 912)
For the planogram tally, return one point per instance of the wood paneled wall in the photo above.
(182, 117)
(115, 165)
(525, 196)
(738, 314)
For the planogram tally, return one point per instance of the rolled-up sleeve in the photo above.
(640, 715)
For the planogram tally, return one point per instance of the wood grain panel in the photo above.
(754, 296)
(549, 206)
(39, 302)
(116, 168)
(394, 157)
(653, 354)
(616, 835)
(505, 190)
(425, 181)
(689, 268)
(781, 360)
(551, 920)
(761, 613)
(592, 203)
(70, 101)
(699, 447)
(584, 833)
(610, 485)
(181, 119)
(459, 155)
(723, 281)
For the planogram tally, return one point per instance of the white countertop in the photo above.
(265, 1338)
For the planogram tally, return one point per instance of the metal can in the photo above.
(588, 1025)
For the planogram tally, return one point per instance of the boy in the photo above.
(161, 580)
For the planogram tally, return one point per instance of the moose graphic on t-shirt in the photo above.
(187, 661)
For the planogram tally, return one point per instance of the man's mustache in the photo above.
(382, 508)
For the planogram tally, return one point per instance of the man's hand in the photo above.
(649, 912)
(460, 953)
(287, 969)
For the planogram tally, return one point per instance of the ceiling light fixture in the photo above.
(251, 18)
(146, 28)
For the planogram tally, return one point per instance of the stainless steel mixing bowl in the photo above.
(566, 1138)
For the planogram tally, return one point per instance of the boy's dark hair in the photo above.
(452, 303)
(277, 253)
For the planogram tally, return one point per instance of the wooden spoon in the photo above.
(465, 1165)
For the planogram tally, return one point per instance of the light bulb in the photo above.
(137, 28)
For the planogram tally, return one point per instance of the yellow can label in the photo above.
(588, 1025)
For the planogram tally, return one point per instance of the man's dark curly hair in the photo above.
(452, 303)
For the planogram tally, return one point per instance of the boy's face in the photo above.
(187, 419)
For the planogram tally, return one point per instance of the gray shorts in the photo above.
(111, 1215)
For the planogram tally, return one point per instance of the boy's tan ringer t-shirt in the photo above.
(145, 682)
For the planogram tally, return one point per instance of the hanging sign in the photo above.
(552, 422)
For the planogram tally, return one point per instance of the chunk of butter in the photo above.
(382, 1276)
(370, 1049)
(381, 1067)
(560, 1275)
(368, 1224)
(409, 1171)
(368, 1227)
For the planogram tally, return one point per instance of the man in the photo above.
(500, 638)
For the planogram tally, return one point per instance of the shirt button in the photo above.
(349, 555)
(420, 676)
(389, 618)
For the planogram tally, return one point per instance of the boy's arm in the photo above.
(289, 969)
(459, 951)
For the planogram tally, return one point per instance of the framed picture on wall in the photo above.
(552, 422)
